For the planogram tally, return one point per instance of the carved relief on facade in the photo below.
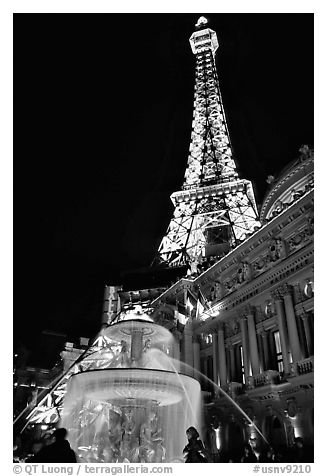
(232, 328)
(247, 271)
(261, 264)
(259, 314)
(217, 292)
(277, 249)
(306, 152)
(309, 229)
(239, 274)
(244, 272)
(279, 207)
(308, 289)
(231, 284)
(269, 309)
(299, 239)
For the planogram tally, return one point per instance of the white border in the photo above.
(6, 140)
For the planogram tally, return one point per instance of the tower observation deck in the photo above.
(215, 210)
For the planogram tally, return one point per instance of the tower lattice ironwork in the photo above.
(215, 210)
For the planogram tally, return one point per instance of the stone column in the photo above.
(215, 355)
(196, 358)
(307, 332)
(222, 356)
(176, 353)
(245, 346)
(291, 324)
(188, 347)
(282, 329)
(266, 355)
(232, 363)
(261, 355)
(302, 338)
(205, 366)
(176, 348)
(254, 353)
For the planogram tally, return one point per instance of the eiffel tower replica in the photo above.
(215, 210)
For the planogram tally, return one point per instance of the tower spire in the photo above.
(215, 210)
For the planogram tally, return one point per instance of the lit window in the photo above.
(208, 338)
(278, 349)
(242, 364)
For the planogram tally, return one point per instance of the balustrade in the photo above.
(270, 377)
(302, 367)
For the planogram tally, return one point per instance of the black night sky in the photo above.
(102, 124)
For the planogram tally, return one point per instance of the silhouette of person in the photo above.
(248, 455)
(194, 451)
(58, 452)
(37, 446)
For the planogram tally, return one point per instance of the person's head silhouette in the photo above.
(60, 434)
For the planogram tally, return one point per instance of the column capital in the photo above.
(177, 334)
(263, 333)
(286, 290)
(196, 339)
(276, 295)
(247, 310)
(220, 327)
(234, 326)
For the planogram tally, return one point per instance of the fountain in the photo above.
(131, 405)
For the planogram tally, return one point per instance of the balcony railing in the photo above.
(302, 367)
(269, 377)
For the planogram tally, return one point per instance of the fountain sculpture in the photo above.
(131, 405)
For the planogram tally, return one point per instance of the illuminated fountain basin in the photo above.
(133, 405)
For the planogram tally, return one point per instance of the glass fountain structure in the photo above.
(131, 404)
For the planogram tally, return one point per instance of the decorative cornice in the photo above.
(280, 183)
(264, 283)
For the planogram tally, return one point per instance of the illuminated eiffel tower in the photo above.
(215, 210)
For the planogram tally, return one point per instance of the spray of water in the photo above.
(160, 360)
(188, 369)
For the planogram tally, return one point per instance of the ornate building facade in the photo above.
(254, 334)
